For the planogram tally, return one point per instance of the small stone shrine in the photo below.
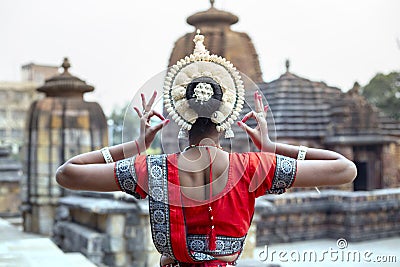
(317, 115)
(59, 126)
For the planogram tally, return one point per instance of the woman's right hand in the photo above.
(148, 132)
(259, 134)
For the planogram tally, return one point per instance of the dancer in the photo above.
(201, 200)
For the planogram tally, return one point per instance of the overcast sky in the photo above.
(118, 45)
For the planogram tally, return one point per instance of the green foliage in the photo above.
(384, 92)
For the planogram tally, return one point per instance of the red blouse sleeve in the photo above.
(131, 176)
(271, 173)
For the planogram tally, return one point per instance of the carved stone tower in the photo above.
(220, 39)
(59, 126)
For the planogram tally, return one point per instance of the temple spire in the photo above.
(212, 3)
(287, 64)
(66, 65)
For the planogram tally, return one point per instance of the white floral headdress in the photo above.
(201, 64)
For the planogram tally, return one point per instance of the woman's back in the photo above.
(195, 166)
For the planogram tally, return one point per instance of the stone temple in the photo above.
(112, 229)
(305, 112)
(59, 126)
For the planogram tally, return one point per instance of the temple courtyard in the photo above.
(20, 249)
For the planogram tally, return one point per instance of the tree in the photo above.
(384, 92)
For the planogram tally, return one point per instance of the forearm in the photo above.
(321, 167)
(87, 171)
(127, 150)
(312, 153)
(117, 152)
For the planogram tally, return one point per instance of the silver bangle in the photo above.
(302, 153)
(106, 155)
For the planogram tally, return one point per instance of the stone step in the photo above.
(38, 252)
(15, 221)
(19, 249)
(77, 259)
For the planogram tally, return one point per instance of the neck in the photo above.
(206, 142)
(209, 140)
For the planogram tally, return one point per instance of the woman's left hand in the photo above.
(259, 134)
(148, 132)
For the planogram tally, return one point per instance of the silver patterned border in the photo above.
(285, 172)
(126, 176)
(158, 204)
(225, 245)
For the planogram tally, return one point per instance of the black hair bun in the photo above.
(206, 108)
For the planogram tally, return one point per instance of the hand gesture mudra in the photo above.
(259, 134)
(148, 132)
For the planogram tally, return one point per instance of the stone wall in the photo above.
(109, 229)
(355, 216)
(10, 199)
(112, 229)
(10, 177)
(391, 165)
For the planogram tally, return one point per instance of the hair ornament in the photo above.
(201, 64)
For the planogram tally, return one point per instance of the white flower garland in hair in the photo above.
(202, 64)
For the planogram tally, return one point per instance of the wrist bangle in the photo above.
(137, 147)
(106, 155)
(302, 153)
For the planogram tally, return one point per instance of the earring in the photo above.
(229, 133)
(183, 134)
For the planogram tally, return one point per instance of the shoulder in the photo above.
(253, 157)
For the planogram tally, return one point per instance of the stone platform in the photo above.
(19, 249)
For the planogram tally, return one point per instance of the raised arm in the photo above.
(90, 171)
(320, 167)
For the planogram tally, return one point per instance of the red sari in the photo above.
(180, 229)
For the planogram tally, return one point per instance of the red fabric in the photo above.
(115, 176)
(250, 175)
(177, 220)
(142, 176)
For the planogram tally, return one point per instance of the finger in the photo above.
(246, 128)
(155, 113)
(143, 101)
(261, 104)
(256, 102)
(147, 116)
(266, 108)
(249, 115)
(152, 113)
(261, 121)
(158, 127)
(151, 101)
(138, 112)
(143, 122)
